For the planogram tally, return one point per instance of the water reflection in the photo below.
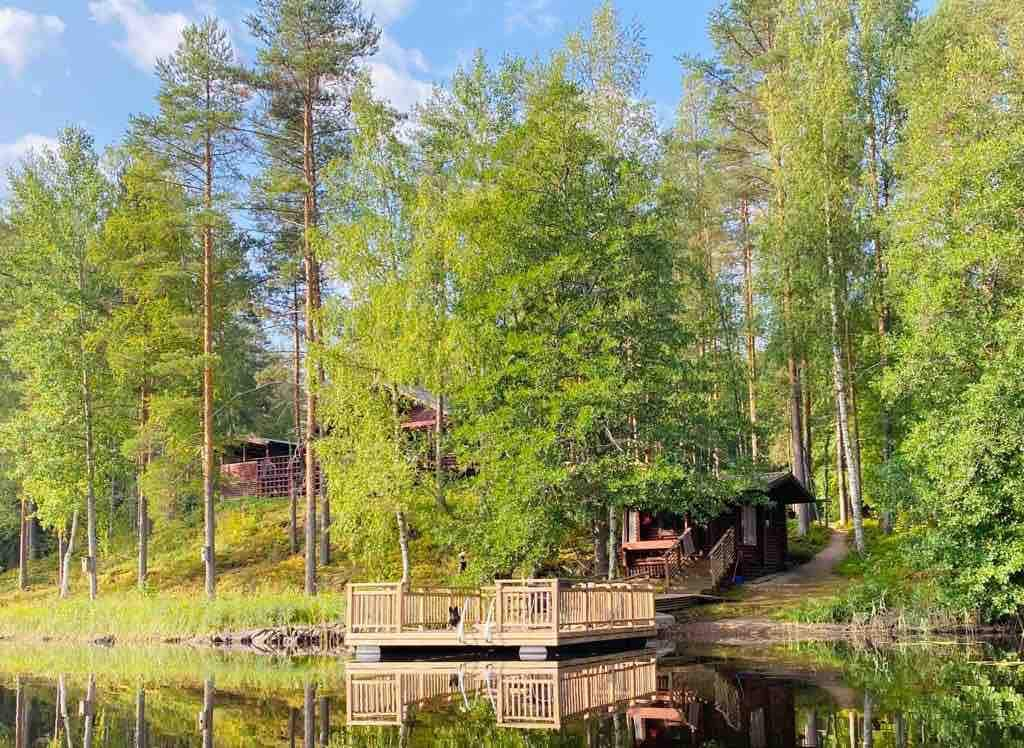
(523, 695)
(862, 700)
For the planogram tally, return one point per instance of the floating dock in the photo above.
(532, 614)
(523, 695)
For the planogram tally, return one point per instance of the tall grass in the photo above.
(134, 616)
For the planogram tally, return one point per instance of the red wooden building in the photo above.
(274, 468)
(747, 539)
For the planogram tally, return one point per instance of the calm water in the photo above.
(814, 695)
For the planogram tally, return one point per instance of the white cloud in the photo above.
(387, 11)
(394, 70)
(148, 35)
(532, 15)
(12, 153)
(25, 35)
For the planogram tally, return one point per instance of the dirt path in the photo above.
(819, 569)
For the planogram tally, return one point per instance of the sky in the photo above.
(90, 62)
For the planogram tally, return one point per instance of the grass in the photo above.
(259, 583)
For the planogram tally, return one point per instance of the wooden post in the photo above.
(399, 604)
(556, 607)
(499, 613)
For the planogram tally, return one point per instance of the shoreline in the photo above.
(328, 639)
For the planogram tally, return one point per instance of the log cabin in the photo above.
(747, 539)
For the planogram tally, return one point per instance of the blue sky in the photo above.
(89, 62)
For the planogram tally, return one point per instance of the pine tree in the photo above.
(197, 132)
(309, 56)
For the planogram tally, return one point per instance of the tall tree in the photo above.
(957, 286)
(201, 106)
(310, 53)
(58, 204)
(148, 251)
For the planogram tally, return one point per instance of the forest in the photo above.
(816, 264)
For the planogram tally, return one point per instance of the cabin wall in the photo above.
(775, 538)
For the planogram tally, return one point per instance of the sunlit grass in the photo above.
(260, 583)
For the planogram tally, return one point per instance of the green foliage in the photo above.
(957, 272)
(54, 341)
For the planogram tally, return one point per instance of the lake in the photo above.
(916, 694)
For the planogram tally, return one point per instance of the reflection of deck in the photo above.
(512, 613)
(523, 695)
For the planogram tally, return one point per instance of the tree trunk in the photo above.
(325, 722)
(20, 714)
(881, 200)
(869, 717)
(142, 520)
(839, 377)
(403, 546)
(32, 533)
(141, 729)
(599, 529)
(62, 701)
(65, 575)
(748, 294)
(309, 716)
(806, 423)
(844, 516)
(851, 378)
(312, 337)
(206, 718)
(209, 515)
(439, 452)
(23, 547)
(293, 516)
(90, 713)
(900, 728)
(796, 438)
(90, 482)
(613, 543)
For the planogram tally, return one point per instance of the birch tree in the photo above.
(71, 408)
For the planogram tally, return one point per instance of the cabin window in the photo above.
(749, 519)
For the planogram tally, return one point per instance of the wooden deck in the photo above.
(511, 613)
(525, 695)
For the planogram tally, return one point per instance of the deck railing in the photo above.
(267, 477)
(723, 557)
(510, 606)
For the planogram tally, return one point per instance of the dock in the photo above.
(531, 614)
(524, 695)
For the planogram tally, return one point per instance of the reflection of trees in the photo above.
(967, 696)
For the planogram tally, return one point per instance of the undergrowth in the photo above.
(885, 591)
